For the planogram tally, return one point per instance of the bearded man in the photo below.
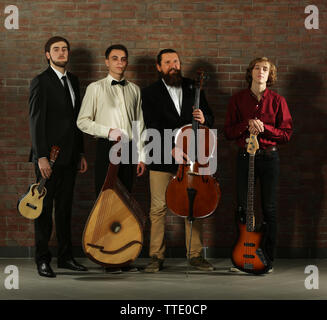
(168, 104)
(54, 105)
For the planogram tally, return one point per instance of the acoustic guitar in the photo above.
(248, 253)
(30, 205)
(113, 234)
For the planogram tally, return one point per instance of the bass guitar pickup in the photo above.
(249, 244)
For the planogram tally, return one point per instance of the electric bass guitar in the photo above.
(30, 205)
(248, 253)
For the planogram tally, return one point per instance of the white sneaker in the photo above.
(234, 269)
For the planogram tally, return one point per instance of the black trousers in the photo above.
(126, 172)
(60, 188)
(267, 172)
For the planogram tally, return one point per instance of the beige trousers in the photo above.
(158, 185)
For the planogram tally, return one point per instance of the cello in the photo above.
(113, 234)
(194, 193)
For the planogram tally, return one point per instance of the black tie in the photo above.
(67, 91)
(114, 82)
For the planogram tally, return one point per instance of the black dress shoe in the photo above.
(130, 268)
(45, 270)
(72, 265)
(112, 270)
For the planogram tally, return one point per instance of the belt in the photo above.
(262, 152)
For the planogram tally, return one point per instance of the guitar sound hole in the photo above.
(30, 205)
(115, 227)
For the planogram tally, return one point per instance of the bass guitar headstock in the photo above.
(253, 144)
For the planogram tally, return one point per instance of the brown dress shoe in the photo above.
(155, 265)
(201, 264)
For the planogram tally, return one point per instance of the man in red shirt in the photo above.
(262, 112)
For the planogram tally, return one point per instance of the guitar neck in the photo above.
(44, 180)
(250, 198)
(197, 98)
(195, 124)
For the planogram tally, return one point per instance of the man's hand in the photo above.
(256, 126)
(83, 165)
(45, 168)
(140, 169)
(115, 134)
(198, 115)
(180, 156)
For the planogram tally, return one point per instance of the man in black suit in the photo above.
(54, 105)
(168, 104)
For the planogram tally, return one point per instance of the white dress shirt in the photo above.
(176, 94)
(107, 106)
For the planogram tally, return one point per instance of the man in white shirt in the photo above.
(109, 108)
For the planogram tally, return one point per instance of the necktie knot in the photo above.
(114, 82)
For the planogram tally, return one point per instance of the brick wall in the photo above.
(221, 36)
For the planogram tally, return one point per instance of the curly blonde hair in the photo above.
(272, 78)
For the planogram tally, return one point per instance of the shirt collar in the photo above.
(110, 78)
(58, 73)
(265, 93)
(170, 87)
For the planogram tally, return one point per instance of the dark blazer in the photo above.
(52, 120)
(159, 112)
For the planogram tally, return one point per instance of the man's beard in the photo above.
(61, 64)
(174, 79)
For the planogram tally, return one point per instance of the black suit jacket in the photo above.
(159, 112)
(53, 120)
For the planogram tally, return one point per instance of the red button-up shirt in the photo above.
(272, 110)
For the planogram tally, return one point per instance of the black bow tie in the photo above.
(114, 82)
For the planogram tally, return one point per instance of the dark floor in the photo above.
(176, 281)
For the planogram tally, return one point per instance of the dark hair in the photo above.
(159, 56)
(272, 78)
(53, 40)
(115, 47)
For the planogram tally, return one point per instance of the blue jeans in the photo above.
(267, 172)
